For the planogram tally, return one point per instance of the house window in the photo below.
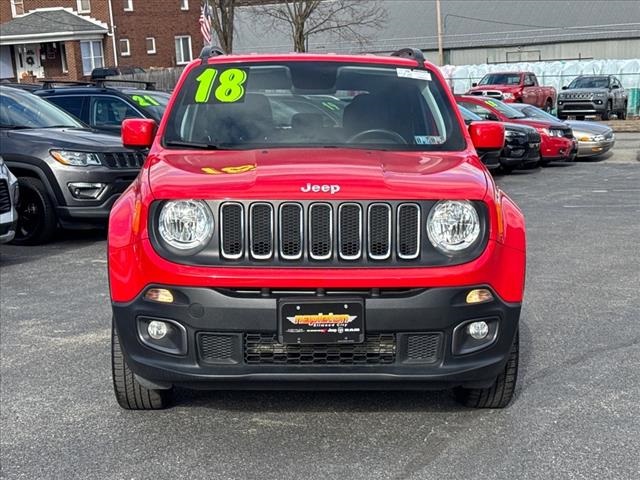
(91, 55)
(183, 49)
(151, 45)
(184, 4)
(84, 6)
(125, 47)
(17, 7)
(128, 5)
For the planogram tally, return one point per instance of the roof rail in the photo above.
(48, 83)
(210, 51)
(413, 53)
(147, 85)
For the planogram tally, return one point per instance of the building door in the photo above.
(28, 61)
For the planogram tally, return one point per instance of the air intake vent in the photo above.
(408, 231)
(219, 348)
(232, 230)
(320, 231)
(379, 231)
(350, 231)
(291, 228)
(261, 225)
(423, 348)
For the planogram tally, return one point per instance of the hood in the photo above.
(538, 123)
(518, 127)
(503, 88)
(303, 174)
(70, 138)
(589, 127)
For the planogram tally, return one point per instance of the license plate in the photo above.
(321, 321)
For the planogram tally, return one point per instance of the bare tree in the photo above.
(222, 13)
(345, 19)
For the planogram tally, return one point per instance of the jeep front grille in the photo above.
(320, 231)
(123, 159)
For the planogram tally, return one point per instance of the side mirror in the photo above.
(138, 132)
(474, 84)
(564, 87)
(614, 87)
(487, 135)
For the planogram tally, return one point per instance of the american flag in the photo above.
(205, 23)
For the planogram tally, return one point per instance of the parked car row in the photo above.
(601, 95)
(62, 141)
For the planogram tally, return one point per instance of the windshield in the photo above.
(500, 79)
(536, 113)
(504, 109)
(312, 104)
(19, 109)
(590, 82)
(153, 102)
(468, 114)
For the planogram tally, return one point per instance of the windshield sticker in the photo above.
(330, 106)
(415, 74)
(429, 140)
(229, 87)
(145, 101)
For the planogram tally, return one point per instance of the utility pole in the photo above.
(439, 21)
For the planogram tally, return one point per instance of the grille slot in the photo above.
(423, 348)
(261, 230)
(377, 349)
(291, 229)
(379, 238)
(5, 198)
(350, 231)
(232, 230)
(408, 231)
(123, 159)
(216, 348)
(320, 231)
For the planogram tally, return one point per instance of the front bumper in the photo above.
(581, 107)
(8, 222)
(591, 149)
(233, 317)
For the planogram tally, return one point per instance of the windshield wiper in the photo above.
(15, 127)
(199, 146)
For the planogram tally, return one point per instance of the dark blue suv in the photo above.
(104, 107)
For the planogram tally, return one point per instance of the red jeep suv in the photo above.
(314, 221)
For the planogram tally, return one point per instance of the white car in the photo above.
(8, 200)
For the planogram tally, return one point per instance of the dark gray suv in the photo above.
(69, 175)
(593, 95)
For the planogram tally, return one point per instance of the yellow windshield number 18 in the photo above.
(229, 87)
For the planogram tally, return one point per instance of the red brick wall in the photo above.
(161, 19)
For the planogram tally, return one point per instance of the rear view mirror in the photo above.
(474, 84)
(564, 87)
(138, 132)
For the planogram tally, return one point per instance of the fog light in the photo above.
(157, 330)
(479, 295)
(477, 330)
(159, 295)
(86, 191)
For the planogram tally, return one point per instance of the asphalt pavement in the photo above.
(575, 414)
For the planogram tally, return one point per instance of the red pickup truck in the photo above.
(520, 87)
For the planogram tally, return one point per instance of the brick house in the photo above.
(66, 39)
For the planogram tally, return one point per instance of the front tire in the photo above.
(622, 115)
(501, 392)
(36, 215)
(606, 115)
(131, 395)
(548, 106)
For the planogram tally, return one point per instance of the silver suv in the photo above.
(600, 95)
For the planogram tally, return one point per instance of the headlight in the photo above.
(507, 95)
(453, 225)
(553, 132)
(513, 133)
(76, 159)
(186, 224)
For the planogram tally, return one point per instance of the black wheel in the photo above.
(622, 114)
(548, 106)
(129, 393)
(606, 115)
(36, 215)
(501, 392)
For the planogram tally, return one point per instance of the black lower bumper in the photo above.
(414, 339)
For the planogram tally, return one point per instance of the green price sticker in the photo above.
(145, 101)
(229, 87)
(491, 103)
